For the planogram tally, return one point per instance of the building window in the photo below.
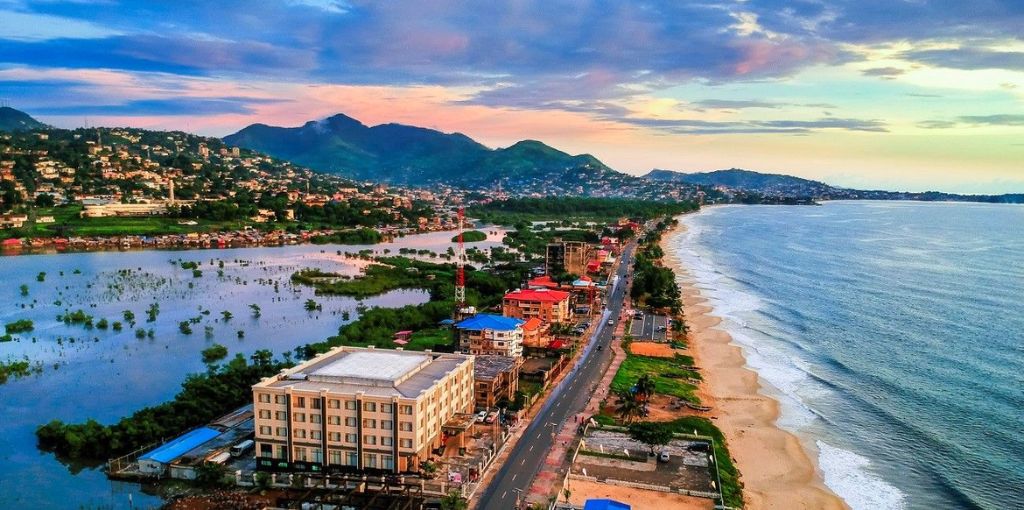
(351, 459)
(279, 399)
(314, 403)
(387, 462)
(317, 455)
(387, 425)
(370, 461)
(282, 432)
(351, 438)
(266, 451)
(334, 436)
(370, 440)
(406, 409)
(335, 457)
(333, 403)
(369, 423)
(265, 398)
(405, 426)
(300, 417)
(300, 401)
(334, 420)
(265, 414)
(315, 418)
(315, 434)
(282, 451)
(300, 433)
(405, 443)
(281, 415)
(386, 441)
(370, 407)
(266, 430)
(386, 408)
(350, 421)
(300, 453)
(350, 405)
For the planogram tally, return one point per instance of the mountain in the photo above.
(404, 154)
(15, 120)
(755, 187)
(734, 178)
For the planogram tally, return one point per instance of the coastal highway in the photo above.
(567, 399)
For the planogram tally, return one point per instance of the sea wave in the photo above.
(849, 476)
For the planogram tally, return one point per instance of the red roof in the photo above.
(556, 344)
(531, 324)
(552, 296)
(543, 281)
(12, 242)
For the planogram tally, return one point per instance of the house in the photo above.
(550, 306)
(495, 380)
(488, 334)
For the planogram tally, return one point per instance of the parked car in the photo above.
(491, 417)
(481, 416)
(611, 322)
(664, 456)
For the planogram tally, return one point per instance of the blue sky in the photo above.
(899, 94)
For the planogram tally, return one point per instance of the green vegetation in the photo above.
(203, 397)
(510, 212)
(215, 352)
(76, 317)
(41, 277)
(377, 327)
(358, 236)
(528, 240)
(185, 327)
(669, 375)
(653, 285)
(102, 324)
(389, 274)
(23, 289)
(651, 433)
(312, 306)
(471, 236)
(20, 368)
(19, 326)
(189, 264)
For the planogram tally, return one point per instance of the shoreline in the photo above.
(776, 471)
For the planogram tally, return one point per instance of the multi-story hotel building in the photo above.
(488, 334)
(550, 306)
(362, 409)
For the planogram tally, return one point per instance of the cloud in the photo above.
(174, 106)
(696, 126)
(33, 27)
(329, 6)
(883, 72)
(993, 120)
(936, 124)
(731, 104)
(968, 58)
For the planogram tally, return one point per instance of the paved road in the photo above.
(569, 398)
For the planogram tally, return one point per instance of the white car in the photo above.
(481, 416)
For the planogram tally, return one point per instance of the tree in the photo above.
(312, 305)
(454, 501)
(645, 387)
(629, 407)
(256, 312)
(44, 200)
(653, 434)
(211, 474)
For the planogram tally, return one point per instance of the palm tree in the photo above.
(629, 407)
(645, 386)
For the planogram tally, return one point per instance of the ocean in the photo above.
(892, 334)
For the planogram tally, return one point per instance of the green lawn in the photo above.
(69, 223)
(427, 338)
(670, 375)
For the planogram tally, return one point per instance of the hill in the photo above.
(404, 154)
(16, 120)
(734, 178)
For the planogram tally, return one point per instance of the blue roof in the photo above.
(605, 504)
(178, 446)
(484, 321)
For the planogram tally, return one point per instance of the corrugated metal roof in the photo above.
(181, 444)
(484, 321)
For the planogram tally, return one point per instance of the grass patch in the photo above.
(390, 274)
(530, 388)
(430, 339)
(670, 375)
(472, 236)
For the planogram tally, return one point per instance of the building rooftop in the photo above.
(374, 372)
(181, 444)
(553, 296)
(488, 367)
(488, 321)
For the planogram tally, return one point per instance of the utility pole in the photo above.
(460, 269)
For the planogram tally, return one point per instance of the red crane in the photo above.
(460, 269)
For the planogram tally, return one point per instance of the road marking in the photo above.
(514, 477)
(503, 494)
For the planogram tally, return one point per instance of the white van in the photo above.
(240, 448)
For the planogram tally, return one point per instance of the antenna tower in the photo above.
(460, 269)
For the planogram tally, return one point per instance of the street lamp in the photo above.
(519, 494)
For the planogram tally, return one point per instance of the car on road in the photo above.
(481, 416)
(611, 322)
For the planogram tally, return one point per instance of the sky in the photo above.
(882, 94)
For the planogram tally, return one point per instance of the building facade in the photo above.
(361, 409)
(567, 257)
(496, 380)
(487, 334)
(550, 306)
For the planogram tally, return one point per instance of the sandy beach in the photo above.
(776, 471)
